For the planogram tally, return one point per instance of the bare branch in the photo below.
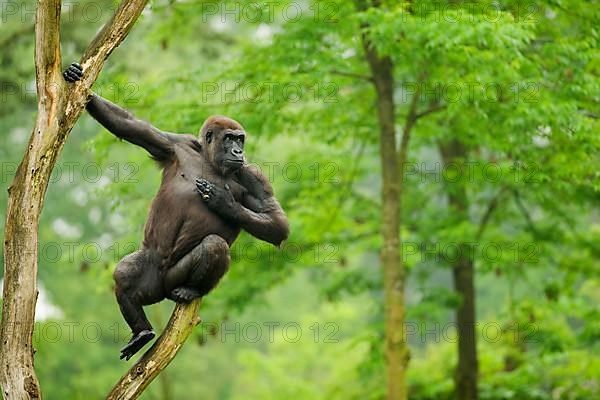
(409, 123)
(526, 215)
(492, 205)
(140, 375)
(430, 110)
(352, 75)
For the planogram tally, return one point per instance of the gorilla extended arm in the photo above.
(125, 125)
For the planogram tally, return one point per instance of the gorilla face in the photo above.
(224, 139)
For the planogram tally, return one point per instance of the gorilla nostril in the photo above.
(236, 152)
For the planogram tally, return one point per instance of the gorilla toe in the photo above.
(136, 343)
(184, 294)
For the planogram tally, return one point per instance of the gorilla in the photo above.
(207, 195)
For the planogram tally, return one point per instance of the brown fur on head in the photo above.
(218, 121)
(211, 136)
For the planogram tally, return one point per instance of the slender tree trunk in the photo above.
(59, 107)
(466, 370)
(396, 350)
(463, 275)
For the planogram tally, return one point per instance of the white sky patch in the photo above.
(80, 196)
(18, 135)
(542, 139)
(63, 228)
(95, 215)
(264, 33)
(116, 220)
(44, 309)
(105, 241)
(348, 53)
(103, 182)
(219, 24)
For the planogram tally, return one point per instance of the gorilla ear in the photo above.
(209, 134)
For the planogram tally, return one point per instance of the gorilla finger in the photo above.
(72, 75)
(76, 71)
(205, 185)
(202, 182)
(68, 77)
(227, 187)
(76, 65)
(202, 186)
(204, 190)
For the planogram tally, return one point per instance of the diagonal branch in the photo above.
(526, 214)
(492, 205)
(140, 375)
(352, 75)
(111, 35)
(411, 120)
(430, 110)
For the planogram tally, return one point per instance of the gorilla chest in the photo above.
(183, 180)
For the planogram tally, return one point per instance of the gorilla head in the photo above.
(223, 139)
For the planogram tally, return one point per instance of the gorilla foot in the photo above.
(136, 343)
(184, 294)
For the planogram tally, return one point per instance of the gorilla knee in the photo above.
(218, 250)
(124, 271)
(120, 277)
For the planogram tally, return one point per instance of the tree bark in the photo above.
(142, 373)
(59, 106)
(463, 273)
(396, 350)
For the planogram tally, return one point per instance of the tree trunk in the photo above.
(466, 370)
(396, 350)
(454, 152)
(59, 107)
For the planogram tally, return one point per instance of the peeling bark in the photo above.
(59, 107)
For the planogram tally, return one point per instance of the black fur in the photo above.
(207, 195)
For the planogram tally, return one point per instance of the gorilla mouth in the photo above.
(234, 161)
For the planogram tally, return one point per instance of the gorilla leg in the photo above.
(137, 283)
(199, 271)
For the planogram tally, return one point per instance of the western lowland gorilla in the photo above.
(207, 195)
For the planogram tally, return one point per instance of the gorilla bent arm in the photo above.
(207, 195)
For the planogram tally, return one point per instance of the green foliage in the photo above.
(516, 83)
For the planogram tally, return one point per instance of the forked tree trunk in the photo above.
(59, 107)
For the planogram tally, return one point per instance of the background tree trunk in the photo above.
(59, 107)
(396, 350)
(463, 273)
